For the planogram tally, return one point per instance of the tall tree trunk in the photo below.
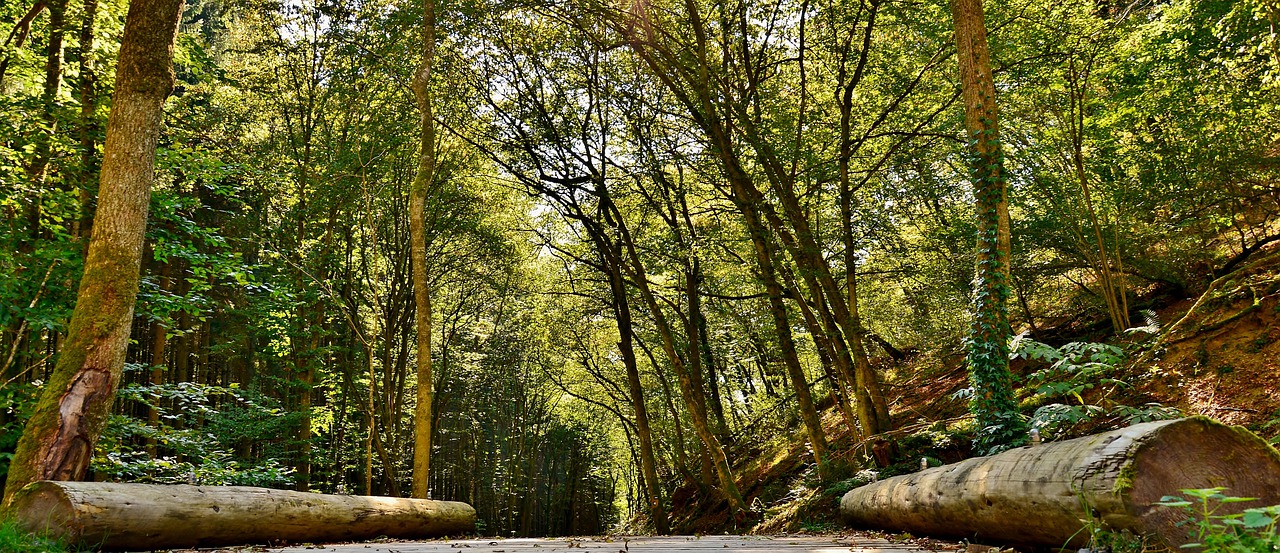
(1113, 290)
(700, 361)
(993, 403)
(52, 85)
(57, 443)
(692, 395)
(681, 455)
(418, 254)
(159, 339)
(88, 105)
(626, 346)
(826, 353)
(766, 256)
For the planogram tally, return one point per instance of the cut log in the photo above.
(149, 516)
(1042, 495)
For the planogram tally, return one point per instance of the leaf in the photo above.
(1253, 518)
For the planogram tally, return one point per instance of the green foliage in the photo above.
(199, 426)
(277, 247)
(1073, 384)
(862, 478)
(16, 403)
(16, 540)
(1250, 530)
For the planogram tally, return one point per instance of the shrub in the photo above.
(1252, 530)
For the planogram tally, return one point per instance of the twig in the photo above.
(17, 336)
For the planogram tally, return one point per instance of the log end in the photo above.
(43, 508)
(1195, 452)
(1040, 495)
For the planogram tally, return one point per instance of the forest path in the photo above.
(644, 544)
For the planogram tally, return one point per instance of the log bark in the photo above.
(1040, 495)
(151, 516)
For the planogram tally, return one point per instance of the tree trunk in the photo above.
(701, 363)
(150, 516)
(52, 85)
(688, 386)
(418, 253)
(159, 339)
(57, 443)
(88, 105)
(993, 402)
(648, 462)
(1041, 495)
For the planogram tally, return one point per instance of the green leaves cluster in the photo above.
(1251, 530)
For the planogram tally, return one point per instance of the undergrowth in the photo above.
(16, 540)
(1251, 530)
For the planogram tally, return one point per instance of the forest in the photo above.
(653, 266)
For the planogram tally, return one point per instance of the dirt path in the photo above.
(639, 544)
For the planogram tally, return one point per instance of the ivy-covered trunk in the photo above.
(999, 424)
(57, 443)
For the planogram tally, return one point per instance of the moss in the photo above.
(1124, 481)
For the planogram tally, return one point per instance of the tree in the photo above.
(58, 441)
(999, 424)
(418, 252)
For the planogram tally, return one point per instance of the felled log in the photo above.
(149, 516)
(1041, 495)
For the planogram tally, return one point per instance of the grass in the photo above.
(16, 540)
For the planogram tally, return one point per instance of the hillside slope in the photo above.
(1215, 354)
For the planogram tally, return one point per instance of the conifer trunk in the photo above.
(57, 443)
(88, 105)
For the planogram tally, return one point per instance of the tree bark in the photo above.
(988, 357)
(1041, 495)
(57, 443)
(418, 253)
(149, 516)
(626, 346)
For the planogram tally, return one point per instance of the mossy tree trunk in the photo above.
(418, 251)
(57, 443)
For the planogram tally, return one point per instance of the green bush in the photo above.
(1253, 530)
